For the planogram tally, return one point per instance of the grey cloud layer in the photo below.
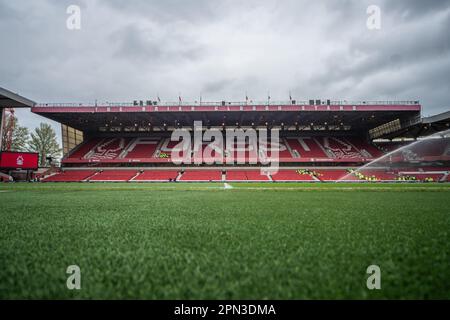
(222, 49)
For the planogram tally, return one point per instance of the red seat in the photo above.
(114, 175)
(70, 176)
(84, 148)
(380, 175)
(333, 175)
(246, 175)
(157, 175)
(291, 175)
(201, 175)
(141, 148)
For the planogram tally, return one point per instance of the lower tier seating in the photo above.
(236, 175)
(163, 175)
(423, 176)
(114, 175)
(70, 176)
(291, 175)
(157, 175)
(378, 175)
(246, 175)
(255, 175)
(333, 175)
(201, 175)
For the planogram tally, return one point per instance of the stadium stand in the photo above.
(318, 142)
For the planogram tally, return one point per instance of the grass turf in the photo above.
(199, 241)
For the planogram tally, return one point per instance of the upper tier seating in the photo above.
(201, 175)
(305, 147)
(107, 149)
(141, 148)
(157, 149)
(84, 148)
(391, 146)
(341, 148)
(70, 176)
(429, 149)
(365, 148)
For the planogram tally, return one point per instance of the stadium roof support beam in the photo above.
(445, 116)
(9, 99)
(422, 127)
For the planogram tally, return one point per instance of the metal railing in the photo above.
(229, 103)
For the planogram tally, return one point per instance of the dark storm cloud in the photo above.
(394, 53)
(217, 86)
(415, 53)
(129, 50)
(142, 46)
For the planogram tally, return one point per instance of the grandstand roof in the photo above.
(356, 115)
(10, 99)
(424, 127)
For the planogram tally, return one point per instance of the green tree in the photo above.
(20, 138)
(43, 141)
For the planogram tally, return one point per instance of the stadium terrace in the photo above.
(319, 141)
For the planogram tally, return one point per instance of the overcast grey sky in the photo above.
(135, 49)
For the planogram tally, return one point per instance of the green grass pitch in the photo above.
(200, 241)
